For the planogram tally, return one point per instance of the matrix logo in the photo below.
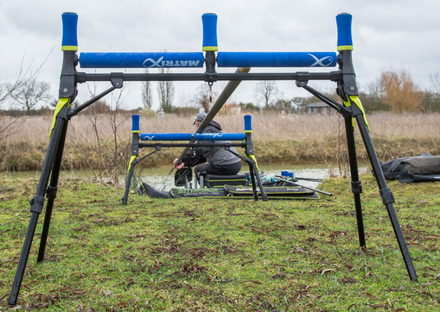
(148, 138)
(325, 61)
(149, 62)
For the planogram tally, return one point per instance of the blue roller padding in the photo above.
(209, 21)
(276, 59)
(166, 136)
(247, 123)
(135, 123)
(218, 136)
(141, 59)
(343, 22)
(70, 22)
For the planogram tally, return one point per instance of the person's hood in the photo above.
(215, 124)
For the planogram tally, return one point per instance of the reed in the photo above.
(278, 139)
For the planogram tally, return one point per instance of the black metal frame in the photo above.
(347, 90)
(247, 145)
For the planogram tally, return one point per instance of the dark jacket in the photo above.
(214, 155)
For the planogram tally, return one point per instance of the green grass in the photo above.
(222, 255)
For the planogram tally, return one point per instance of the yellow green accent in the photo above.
(345, 48)
(248, 131)
(60, 105)
(69, 48)
(210, 49)
(136, 131)
(255, 160)
(355, 99)
(132, 158)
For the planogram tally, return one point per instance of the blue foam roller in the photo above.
(166, 136)
(209, 21)
(343, 22)
(219, 136)
(276, 59)
(247, 123)
(135, 123)
(141, 59)
(70, 37)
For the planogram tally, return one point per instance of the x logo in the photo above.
(154, 63)
(319, 61)
(147, 138)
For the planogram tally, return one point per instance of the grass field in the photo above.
(222, 255)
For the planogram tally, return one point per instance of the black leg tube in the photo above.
(51, 192)
(355, 182)
(128, 184)
(260, 184)
(253, 180)
(387, 196)
(36, 208)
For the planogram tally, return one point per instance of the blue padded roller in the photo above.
(70, 37)
(343, 22)
(209, 21)
(276, 59)
(166, 136)
(135, 123)
(218, 136)
(141, 59)
(247, 123)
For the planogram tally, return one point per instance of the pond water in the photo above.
(159, 178)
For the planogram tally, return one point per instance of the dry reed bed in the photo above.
(298, 137)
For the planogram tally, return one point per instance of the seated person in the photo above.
(219, 160)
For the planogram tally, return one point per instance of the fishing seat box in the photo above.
(212, 180)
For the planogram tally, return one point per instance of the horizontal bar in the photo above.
(332, 76)
(219, 136)
(166, 136)
(189, 136)
(276, 59)
(141, 60)
(142, 145)
(196, 59)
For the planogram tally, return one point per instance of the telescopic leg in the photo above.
(387, 196)
(356, 186)
(128, 184)
(260, 184)
(253, 180)
(52, 192)
(36, 208)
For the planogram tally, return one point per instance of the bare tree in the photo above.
(202, 96)
(165, 90)
(33, 93)
(266, 91)
(147, 98)
(7, 89)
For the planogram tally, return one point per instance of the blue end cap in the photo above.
(135, 123)
(247, 123)
(70, 37)
(286, 173)
(343, 22)
(209, 21)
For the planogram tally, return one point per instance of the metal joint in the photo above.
(37, 203)
(387, 196)
(356, 187)
(51, 192)
(117, 79)
(303, 79)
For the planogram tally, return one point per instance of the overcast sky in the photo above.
(402, 34)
